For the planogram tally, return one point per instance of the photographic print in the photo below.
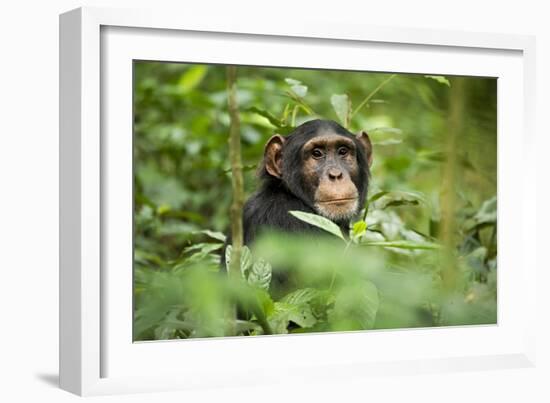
(275, 201)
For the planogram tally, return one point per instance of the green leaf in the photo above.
(284, 313)
(260, 274)
(200, 252)
(319, 222)
(246, 259)
(297, 87)
(342, 107)
(300, 90)
(242, 326)
(487, 212)
(203, 247)
(192, 78)
(359, 228)
(399, 198)
(355, 307)
(440, 79)
(212, 234)
(291, 81)
(268, 115)
(377, 196)
(301, 296)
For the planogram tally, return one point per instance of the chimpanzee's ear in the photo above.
(364, 139)
(273, 155)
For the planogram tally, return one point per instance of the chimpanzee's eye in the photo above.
(343, 151)
(317, 153)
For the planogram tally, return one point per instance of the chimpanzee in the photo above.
(319, 168)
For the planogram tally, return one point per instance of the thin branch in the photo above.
(368, 98)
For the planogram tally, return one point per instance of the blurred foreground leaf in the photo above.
(355, 307)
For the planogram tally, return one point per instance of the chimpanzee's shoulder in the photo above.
(270, 210)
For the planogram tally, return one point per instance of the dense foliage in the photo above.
(422, 254)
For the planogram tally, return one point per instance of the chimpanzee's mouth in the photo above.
(338, 201)
(342, 208)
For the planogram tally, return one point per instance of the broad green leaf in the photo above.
(319, 222)
(440, 79)
(203, 247)
(342, 107)
(213, 234)
(246, 259)
(300, 90)
(355, 307)
(301, 296)
(200, 252)
(302, 316)
(284, 313)
(265, 302)
(260, 274)
(191, 78)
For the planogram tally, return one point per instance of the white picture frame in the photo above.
(96, 354)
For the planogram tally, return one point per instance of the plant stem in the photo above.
(294, 112)
(237, 190)
(368, 98)
(307, 109)
(237, 173)
(448, 194)
(366, 212)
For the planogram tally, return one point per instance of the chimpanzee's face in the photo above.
(330, 170)
(324, 165)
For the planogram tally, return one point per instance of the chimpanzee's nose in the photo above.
(335, 174)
